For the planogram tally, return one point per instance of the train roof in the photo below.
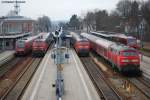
(78, 37)
(113, 34)
(103, 33)
(30, 38)
(121, 47)
(43, 37)
(106, 43)
(124, 36)
(27, 39)
(89, 37)
(100, 41)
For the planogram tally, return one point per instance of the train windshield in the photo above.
(129, 53)
(38, 43)
(84, 42)
(20, 44)
(132, 41)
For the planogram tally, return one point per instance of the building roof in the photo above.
(15, 18)
(14, 36)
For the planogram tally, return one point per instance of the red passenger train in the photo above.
(122, 57)
(81, 44)
(24, 46)
(40, 45)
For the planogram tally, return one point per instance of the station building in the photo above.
(13, 28)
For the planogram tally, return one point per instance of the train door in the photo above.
(105, 53)
(110, 54)
(113, 56)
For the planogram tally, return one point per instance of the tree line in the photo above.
(43, 24)
(126, 18)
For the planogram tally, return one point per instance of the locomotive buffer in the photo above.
(60, 55)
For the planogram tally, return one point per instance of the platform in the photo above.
(145, 66)
(6, 56)
(78, 85)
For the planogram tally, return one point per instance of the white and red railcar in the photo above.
(125, 58)
(118, 37)
(24, 46)
(81, 44)
(41, 44)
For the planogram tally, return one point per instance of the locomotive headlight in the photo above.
(80, 46)
(135, 60)
(125, 60)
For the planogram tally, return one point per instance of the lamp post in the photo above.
(141, 32)
(124, 23)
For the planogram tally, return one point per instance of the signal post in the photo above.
(60, 55)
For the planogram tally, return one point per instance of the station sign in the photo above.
(60, 55)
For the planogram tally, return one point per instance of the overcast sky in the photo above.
(59, 9)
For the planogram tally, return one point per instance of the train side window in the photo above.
(115, 51)
(112, 50)
(118, 53)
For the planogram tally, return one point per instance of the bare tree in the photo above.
(146, 11)
(90, 21)
(124, 7)
(74, 22)
(134, 17)
(44, 24)
(101, 20)
(146, 15)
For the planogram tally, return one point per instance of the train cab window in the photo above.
(20, 44)
(117, 52)
(130, 53)
(131, 41)
(113, 50)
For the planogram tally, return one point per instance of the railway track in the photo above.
(104, 89)
(8, 79)
(15, 76)
(140, 86)
(17, 88)
(5, 67)
(145, 81)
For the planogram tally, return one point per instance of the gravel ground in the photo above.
(146, 50)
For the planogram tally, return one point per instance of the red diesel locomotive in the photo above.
(24, 46)
(81, 44)
(122, 57)
(40, 45)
